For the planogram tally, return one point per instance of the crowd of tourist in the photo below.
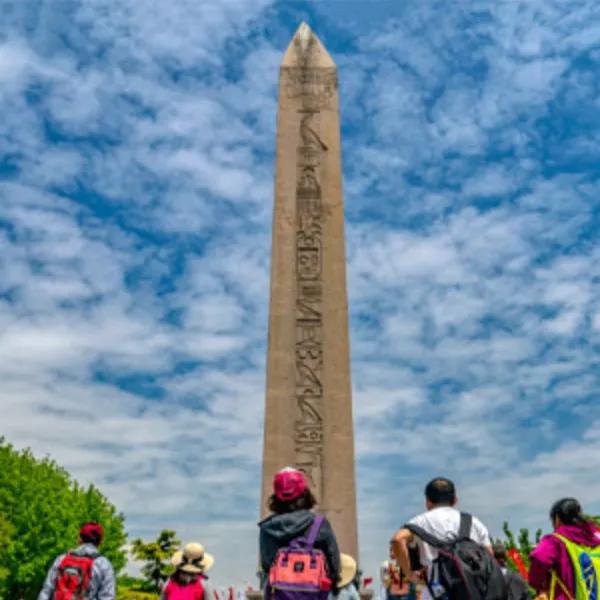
(440, 554)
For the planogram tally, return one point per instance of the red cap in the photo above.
(91, 531)
(289, 484)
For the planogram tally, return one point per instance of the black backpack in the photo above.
(465, 569)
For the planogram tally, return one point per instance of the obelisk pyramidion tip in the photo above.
(306, 50)
(303, 35)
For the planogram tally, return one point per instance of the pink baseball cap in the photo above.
(289, 484)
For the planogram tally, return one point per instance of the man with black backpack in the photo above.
(82, 573)
(454, 548)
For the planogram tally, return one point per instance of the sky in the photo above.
(136, 194)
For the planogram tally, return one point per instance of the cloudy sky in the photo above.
(136, 167)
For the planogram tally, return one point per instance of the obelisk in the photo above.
(308, 417)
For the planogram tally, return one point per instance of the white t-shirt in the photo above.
(444, 522)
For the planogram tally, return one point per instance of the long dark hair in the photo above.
(568, 510)
(306, 501)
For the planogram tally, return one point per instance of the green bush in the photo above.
(41, 510)
(127, 594)
(134, 588)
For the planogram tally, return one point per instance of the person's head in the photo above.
(499, 552)
(190, 563)
(290, 492)
(91, 533)
(566, 511)
(440, 492)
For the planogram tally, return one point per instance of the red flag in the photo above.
(518, 560)
(367, 581)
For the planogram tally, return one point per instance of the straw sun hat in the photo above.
(192, 559)
(347, 569)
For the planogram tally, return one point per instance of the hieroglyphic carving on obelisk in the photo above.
(308, 418)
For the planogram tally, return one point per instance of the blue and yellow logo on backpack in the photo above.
(586, 568)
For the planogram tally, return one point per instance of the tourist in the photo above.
(189, 579)
(291, 506)
(441, 521)
(555, 561)
(347, 585)
(517, 586)
(395, 584)
(83, 568)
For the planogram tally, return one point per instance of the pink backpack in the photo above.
(192, 591)
(299, 571)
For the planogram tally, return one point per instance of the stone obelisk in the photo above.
(308, 417)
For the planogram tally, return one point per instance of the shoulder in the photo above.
(103, 563)
(325, 524)
(547, 546)
(266, 520)
(420, 520)
(549, 539)
(58, 560)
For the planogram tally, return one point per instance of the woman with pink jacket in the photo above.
(551, 555)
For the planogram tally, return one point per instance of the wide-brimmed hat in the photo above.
(347, 569)
(289, 484)
(192, 559)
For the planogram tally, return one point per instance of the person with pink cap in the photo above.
(291, 506)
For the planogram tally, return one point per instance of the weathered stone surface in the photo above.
(308, 418)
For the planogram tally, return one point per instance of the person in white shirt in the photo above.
(442, 520)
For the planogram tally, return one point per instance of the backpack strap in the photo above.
(464, 530)
(427, 537)
(553, 581)
(313, 532)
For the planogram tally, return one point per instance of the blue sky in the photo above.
(136, 167)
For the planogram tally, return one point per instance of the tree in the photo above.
(42, 508)
(6, 533)
(157, 556)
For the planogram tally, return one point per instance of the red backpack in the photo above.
(74, 576)
(192, 591)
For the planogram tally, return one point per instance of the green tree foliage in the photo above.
(6, 533)
(156, 556)
(134, 588)
(42, 508)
